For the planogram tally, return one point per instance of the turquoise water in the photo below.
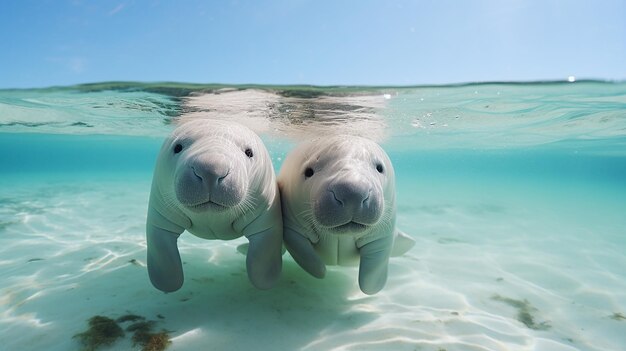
(515, 194)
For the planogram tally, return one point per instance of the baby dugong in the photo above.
(214, 179)
(338, 199)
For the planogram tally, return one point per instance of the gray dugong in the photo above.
(214, 179)
(338, 200)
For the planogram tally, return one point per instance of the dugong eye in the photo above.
(379, 168)
(178, 148)
(309, 172)
(249, 152)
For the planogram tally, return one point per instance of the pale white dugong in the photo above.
(214, 179)
(339, 208)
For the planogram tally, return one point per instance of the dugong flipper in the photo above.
(303, 253)
(338, 198)
(402, 244)
(164, 265)
(214, 179)
(373, 266)
(264, 257)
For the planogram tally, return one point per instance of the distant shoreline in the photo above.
(182, 89)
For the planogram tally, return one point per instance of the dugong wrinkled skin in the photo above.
(338, 199)
(214, 179)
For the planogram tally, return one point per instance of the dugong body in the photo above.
(338, 200)
(214, 179)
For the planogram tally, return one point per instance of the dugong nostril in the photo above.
(196, 173)
(336, 199)
(221, 179)
(367, 197)
(351, 193)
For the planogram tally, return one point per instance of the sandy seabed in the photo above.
(505, 270)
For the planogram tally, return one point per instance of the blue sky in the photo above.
(63, 42)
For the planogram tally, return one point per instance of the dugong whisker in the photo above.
(170, 201)
(247, 205)
(308, 217)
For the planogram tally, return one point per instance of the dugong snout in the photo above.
(210, 181)
(350, 203)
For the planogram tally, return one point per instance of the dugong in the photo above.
(338, 199)
(214, 179)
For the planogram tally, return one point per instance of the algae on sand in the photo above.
(524, 312)
(148, 340)
(152, 341)
(103, 331)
